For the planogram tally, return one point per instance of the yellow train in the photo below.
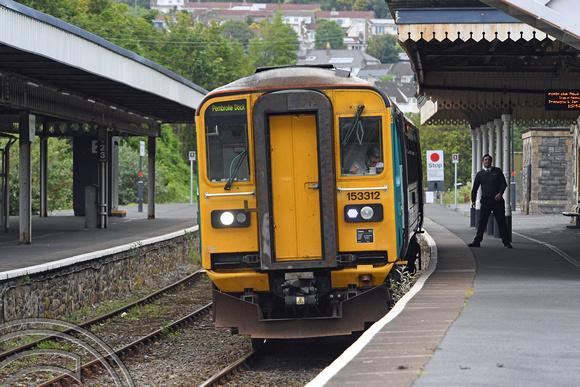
(309, 192)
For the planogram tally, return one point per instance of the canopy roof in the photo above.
(64, 74)
(474, 63)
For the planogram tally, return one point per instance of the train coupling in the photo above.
(299, 289)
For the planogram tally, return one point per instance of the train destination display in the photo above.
(562, 100)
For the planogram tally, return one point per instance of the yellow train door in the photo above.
(295, 193)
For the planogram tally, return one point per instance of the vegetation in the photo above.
(385, 48)
(277, 44)
(453, 139)
(329, 32)
(237, 30)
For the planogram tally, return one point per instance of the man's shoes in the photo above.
(508, 246)
(474, 244)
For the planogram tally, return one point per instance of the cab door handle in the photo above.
(313, 186)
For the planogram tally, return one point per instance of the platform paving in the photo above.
(498, 317)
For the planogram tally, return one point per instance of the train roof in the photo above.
(284, 77)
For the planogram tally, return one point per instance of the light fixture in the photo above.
(227, 218)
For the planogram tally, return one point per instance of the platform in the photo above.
(515, 323)
(62, 235)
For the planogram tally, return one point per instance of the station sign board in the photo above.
(435, 171)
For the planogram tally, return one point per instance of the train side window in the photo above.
(361, 146)
(226, 139)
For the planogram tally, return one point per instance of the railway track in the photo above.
(229, 373)
(88, 369)
(189, 280)
(281, 362)
(125, 351)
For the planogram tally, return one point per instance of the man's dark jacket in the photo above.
(492, 183)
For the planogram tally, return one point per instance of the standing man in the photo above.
(493, 185)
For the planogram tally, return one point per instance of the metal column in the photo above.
(491, 128)
(507, 118)
(473, 172)
(44, 174)
(479, 154)
(5, 183)
(151, 149)
(490, 150)
(27, 124)
(498, 149)
(103, 152)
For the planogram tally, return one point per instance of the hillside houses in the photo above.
(401, 88)
(359, 26)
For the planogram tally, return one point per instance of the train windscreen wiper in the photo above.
(238, 161)
(354, 122)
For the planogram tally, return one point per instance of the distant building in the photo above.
(359, 26)
(401, 89)
(354, 43)
(167, 5)
(351, 60)
(345, 19)
(367, 28)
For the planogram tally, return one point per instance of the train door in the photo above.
(295, 180)
(295, 194)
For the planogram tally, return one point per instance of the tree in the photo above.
(61, 9)
(362, 5)
(200, 53)
(385, 48)
(387, 78)
(237, 30)
(329, 31)
(139, 3)
(276, 45)
(344, 5)
(381, 9)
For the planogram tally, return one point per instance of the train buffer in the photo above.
(576, 215)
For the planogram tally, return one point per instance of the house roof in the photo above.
(340, 58)
(345, 14)
(398, 91)
(375, 71)
(398, 69)
(249, 6)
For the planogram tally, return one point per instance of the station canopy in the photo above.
(474, 62)
(68, 77)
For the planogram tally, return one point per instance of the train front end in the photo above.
(301, 203)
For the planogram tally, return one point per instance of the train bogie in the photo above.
(304, 201)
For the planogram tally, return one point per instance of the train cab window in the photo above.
(361, 146)
(226, 138)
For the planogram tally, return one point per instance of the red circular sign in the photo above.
(434, 157)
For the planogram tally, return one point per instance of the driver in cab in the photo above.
(370, 165)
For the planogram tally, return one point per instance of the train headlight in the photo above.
(354, 213)
(229, 218)
(367, 213)
(241, 217)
